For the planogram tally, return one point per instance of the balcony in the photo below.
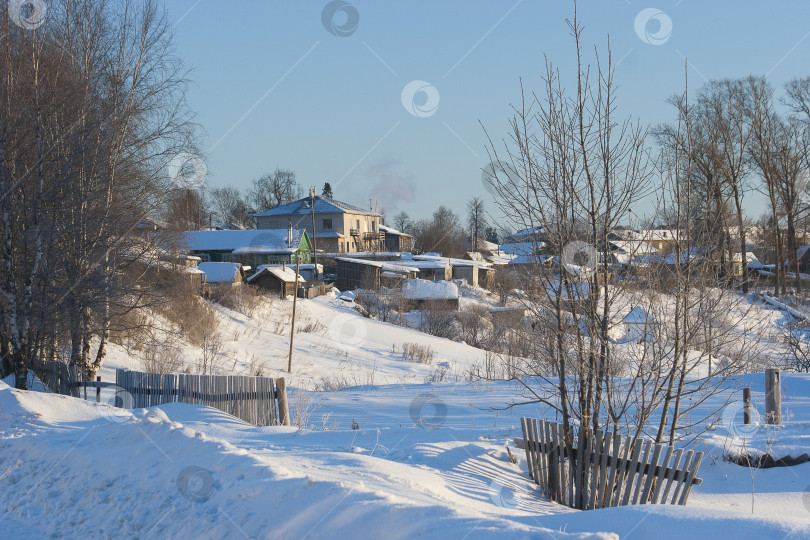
(354, 232)
(373, 236)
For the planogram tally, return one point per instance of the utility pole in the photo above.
(292, 326)
(314, 243)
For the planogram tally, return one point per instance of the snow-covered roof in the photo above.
(749, 257)
(520, 248)
(687, 255)
(647, 235)
(253, 241)
(323, 205)
(422, 289)
(638, 315)
(392, 231)
(482, 244)
(220, 272)
(284, 273)
(382, 265)
(329, 234)
(443, 262)
(635, 247)
(530, 259)
(575, 290)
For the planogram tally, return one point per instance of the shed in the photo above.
(440, 294)
(276, 278)
(508, 317)
(639, 326)
(355, 273)
(223, 273)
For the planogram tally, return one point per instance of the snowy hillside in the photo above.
(428, 459)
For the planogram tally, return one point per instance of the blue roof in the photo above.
(322, 206)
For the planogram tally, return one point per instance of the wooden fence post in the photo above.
(283, 408)
(773, 396)
(98, 390)
(746, 405)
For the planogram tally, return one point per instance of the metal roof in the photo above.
(323, 205)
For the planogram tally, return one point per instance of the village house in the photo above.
(339, 227)
(251, 248)
(664, 240)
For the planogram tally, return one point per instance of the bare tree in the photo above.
(764, 122)
(578, 171)
(476, 221)
(274, 189)
(402, 221)
(229, 206)
(442, 234)
(93, 111)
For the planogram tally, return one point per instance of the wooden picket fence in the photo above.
(59, 377)
(260, 401)
(606, 469)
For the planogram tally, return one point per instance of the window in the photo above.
(373, 226)
(327, 224)
(273, 224)
(358, 224)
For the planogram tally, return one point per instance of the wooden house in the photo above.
(396, 241)
(251, 248)
(279, 279)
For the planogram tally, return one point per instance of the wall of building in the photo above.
(342, 223)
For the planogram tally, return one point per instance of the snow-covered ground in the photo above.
(428, 459)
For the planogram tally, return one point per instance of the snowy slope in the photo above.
(427, 462)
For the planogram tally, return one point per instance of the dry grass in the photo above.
(244, 299)
(423, 354)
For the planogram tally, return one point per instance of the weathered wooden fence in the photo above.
(59, 377)
(260, 401)
(606, 469)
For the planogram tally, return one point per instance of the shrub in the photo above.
(161, 358)
(244, 299)
(437, 320)
(413, 352)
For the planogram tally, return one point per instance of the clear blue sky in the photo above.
(273, 88)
